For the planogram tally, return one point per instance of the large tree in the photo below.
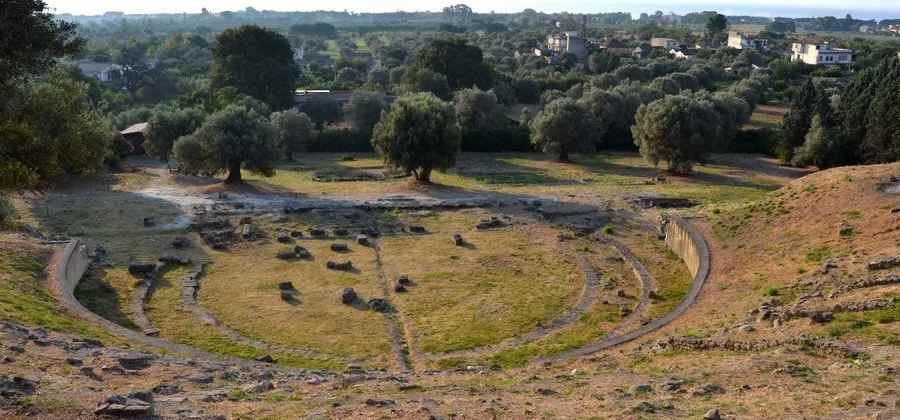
(168, 124)
(797, 121)
(605, 108)
(462, 63)
(715, 26)
(563, 127)
(364, 111)
(322, 109)
(258, 62)
(50, 130)
(235, 138)
(31, 39)
(419, 134)
(293, 131)
(420, 79)
(677, 129)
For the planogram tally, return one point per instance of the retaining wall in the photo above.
(71, 263)
(685, 241)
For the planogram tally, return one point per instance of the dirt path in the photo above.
(648, 286)
(401, 336)
(139, 298)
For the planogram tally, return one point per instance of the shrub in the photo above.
(7, 211)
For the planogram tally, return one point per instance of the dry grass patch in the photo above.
(179, 325)
(506, 282)
(24, 298)
(108, 293)
(241, 288)
(673, 280)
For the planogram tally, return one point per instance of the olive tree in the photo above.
(563, 127)
(418, 135)
(167, 124)
(234, 138)
(677, 129)
(364, 110)
(293, 131)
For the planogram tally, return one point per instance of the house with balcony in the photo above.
(820, 54)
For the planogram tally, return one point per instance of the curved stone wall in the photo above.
(70, 265)
(687, 242)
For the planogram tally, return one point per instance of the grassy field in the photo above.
(767, 116)
(504, 283)
(178, 325)
(107, 293)
(241, 289)
(600, 318)
(607, 174)
(24, 299)
(671, 275)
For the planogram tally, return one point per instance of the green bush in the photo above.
(7, 211)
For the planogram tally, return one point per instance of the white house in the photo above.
(682, 53)
(820, 54)
(742, 41)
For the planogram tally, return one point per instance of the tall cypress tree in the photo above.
(796, 123)
(881, 142)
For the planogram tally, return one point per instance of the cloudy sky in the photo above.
(863, 9)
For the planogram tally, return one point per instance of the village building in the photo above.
(743, 41)
(665, 43)
(104, 72)
(616, 47)
(820, 54)
(567, 42)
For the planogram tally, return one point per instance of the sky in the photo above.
(868, 9)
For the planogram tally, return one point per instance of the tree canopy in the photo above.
(258, 62)
(50, 130)
(677, 129)
(563, 127)
(463, 64)
(418, 135)
(293, 131)
(364, 111)
(168, 124)
(31, 39)
(235, 138)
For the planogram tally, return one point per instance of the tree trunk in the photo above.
(234, 173)
(564, 155)
(424, 176)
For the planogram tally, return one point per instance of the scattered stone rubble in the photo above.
(830, 347)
